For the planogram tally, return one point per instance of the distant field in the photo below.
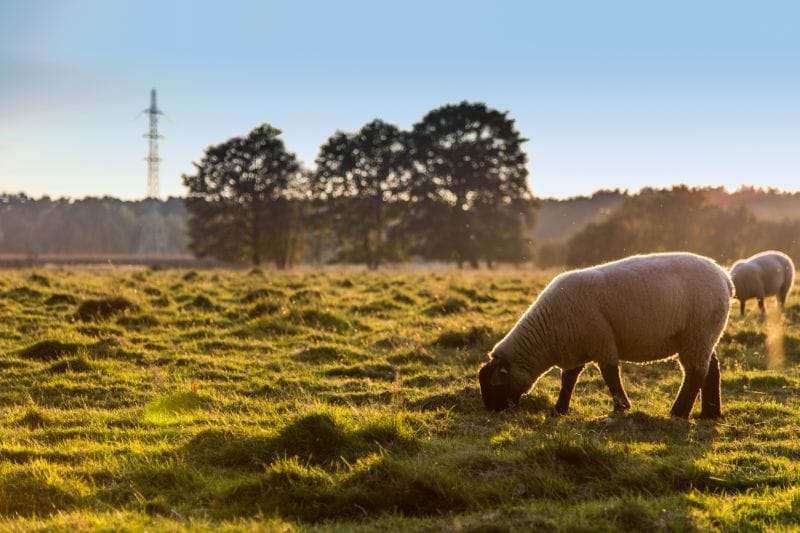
(105, 260)
(348, 401)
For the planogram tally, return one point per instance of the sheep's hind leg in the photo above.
(710, 393)
(568, 379)
(741, 307)
(694, 375)
(782, 298)
(761, 306)
(612, 377)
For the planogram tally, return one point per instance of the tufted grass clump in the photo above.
(325, 438)
(34, 418)
(262, 293)
(60, 299)
(200, 302)
(74, 364)
(172, 406)
(34, 493)
(104, 308)
(48, 350)
(474, 336)
(448, 306)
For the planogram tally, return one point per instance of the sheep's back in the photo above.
(772, 269)
(653, 304)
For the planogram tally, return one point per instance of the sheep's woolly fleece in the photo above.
(768, 273)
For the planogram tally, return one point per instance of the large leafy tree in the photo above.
(242, 200)
(358, 179)
(469, 194)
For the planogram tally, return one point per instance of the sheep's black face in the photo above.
(496, 389)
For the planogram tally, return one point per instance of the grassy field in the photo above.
(182, 400)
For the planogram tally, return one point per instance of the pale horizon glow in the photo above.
(617, 95)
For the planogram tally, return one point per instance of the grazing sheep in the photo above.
(639, 309)
(766, 274)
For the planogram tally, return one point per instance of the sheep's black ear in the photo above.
(501, 373)
(495, 373)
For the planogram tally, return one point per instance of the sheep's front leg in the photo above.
(611, 374)
(568, 379)
(709, 393)
(741, 307)
(761, 306)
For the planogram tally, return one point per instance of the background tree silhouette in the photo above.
(359, 176)
(241, 200)
(468, 194)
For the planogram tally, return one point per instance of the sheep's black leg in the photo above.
(611, 374)
(761, 306)
(693, 379)
(568, 379)
(741, 307)
(709, 393)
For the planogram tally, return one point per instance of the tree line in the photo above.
(452, 188)
(682, 218)
(88, 226)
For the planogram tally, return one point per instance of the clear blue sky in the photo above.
(610, 94)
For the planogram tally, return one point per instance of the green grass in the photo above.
(263, 401)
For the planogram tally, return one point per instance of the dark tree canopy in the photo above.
(242, 200)
(469, 189)
(360, 178)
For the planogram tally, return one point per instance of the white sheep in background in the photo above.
(769, 273)
(642, 308)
